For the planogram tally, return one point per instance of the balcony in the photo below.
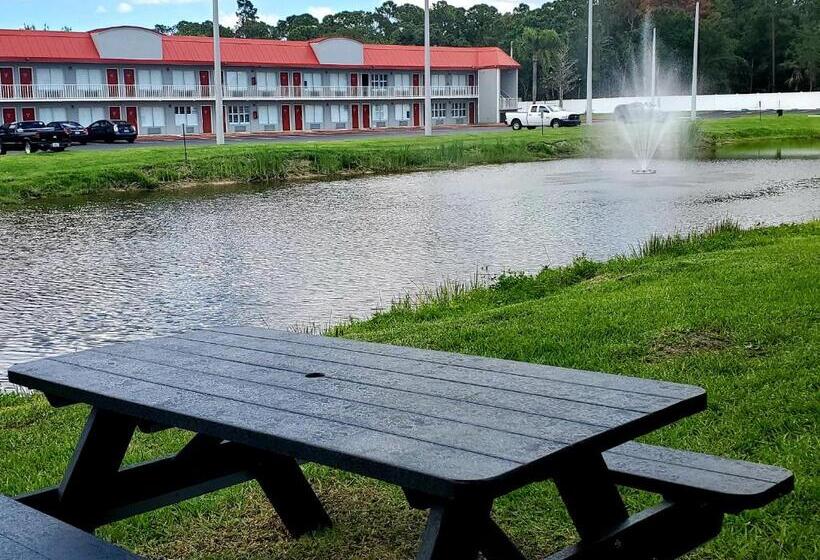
(82, 92)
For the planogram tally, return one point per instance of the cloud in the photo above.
(503, 6)
(161, 2)
(319, 12)
(125, 8)
(101, 9)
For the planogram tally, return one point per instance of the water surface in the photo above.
(96, 271)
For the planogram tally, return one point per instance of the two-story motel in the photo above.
(164, 83)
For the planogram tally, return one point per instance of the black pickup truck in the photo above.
(32, 136)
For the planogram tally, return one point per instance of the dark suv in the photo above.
(77, 133)
(32, 136)
(111, 131)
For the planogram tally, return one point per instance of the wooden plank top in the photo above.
(428, 420)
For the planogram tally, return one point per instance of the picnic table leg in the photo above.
(291, 495)
(96, 461)
(591, 496)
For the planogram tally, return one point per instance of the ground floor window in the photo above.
(268, 114)
(458, 110)
(185, 115)
(314, 114)
(51, 114)
(402, 111)
(339, 114)
(152, 117)
(88, 115)
(239, 114)
(439, 110)
(380, 113)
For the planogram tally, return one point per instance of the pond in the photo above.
(96, 271)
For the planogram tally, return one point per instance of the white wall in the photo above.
(733, 102)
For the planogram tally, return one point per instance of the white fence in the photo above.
(805, 101)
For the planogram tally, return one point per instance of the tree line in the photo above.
(746, 46)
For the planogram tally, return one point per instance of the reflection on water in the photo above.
(772, 149)
(92, 272)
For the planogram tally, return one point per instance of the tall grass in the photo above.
(678, 243)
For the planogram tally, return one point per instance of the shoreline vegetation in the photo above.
(733, 311)
(80, 172)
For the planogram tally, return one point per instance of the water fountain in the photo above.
(642, 124)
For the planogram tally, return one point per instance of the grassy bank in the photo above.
(79, 172)
(735, 312)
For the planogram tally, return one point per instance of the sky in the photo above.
(82, 15)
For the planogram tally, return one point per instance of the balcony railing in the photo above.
(509, 103)
(83, 92)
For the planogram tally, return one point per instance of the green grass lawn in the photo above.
(733, 312)
(81, 172)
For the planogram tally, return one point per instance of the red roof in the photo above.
(53, 46)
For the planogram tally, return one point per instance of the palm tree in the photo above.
(540, 43)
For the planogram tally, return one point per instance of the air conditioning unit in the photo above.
(315, 126)
(190, 130)
(240, 128)
(404, 123)
(153, 130)
(380, 124)
(269, 127)
(341, 126)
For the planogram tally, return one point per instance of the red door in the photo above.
(6, 82)
(28, 114)
(472, 112)
(365, 116)
(204, 83)
(26, 81)
(354, 115)
(207, 127)
(297, 83)
(284, 82)
(9, 115)
(416, 114)
(113, 78)
(130, 80)
(285, 117)
(115, 113)
(354, 83)
(131, 116)
(416, 85)
(471, 81)
(297, 117)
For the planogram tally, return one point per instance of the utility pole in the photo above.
(428, 90)
(589, 64)
(220, 115)
(695, 64)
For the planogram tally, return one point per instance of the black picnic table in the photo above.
(454, 431)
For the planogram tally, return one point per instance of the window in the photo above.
(149, 81)
(439, 110)
(458, 80)
(88, 115)
(49, 76)
(185, 115)
(378, 80)
(339, 114)
(268, 114)
(236, 80)
(337, 80)
(239, 114)
(312, 83)
(380, 113)
(402, 84)
(152, 117)
(267, 81)
(89, 76)
(184, 80)
(402, 111)
(438, 83)
(315, 114)
(51, 114)
(458, 110)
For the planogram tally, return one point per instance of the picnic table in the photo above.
(455, 432)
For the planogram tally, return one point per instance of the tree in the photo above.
(248, 24)
(804, 56)
(563, 74)
(540, 44)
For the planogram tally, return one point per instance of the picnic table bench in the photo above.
(455, 432)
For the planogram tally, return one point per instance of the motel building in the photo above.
(162, 84)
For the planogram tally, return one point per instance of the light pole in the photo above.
(695, 64)
(428, 103)
(220, 115)
(589, 64)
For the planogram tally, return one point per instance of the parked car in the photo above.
(77, 133)
(638, 111)
(541, 114)
(111, 131)
(32, 136)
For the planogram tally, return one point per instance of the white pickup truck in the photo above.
(541, 114)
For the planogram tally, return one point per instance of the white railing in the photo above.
(84, 92)
(509, 103)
